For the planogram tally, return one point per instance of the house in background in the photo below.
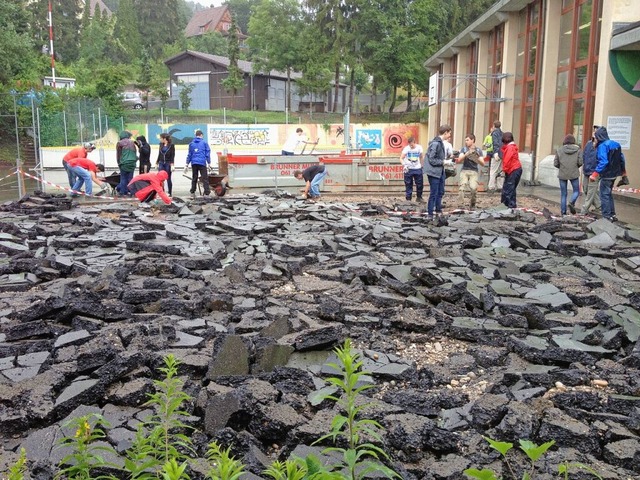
(100, 5)
(261, 91)
(215, 19)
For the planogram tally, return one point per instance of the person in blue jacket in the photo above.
(611, 164)
(199, 157)
(591, 190)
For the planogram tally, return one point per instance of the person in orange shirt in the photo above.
(147, 185)
(86, 171)
(78, 152)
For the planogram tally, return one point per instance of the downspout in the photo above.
(534, 166)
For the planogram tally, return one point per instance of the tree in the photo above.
(66, 15)
(235, 77)
(211, 42)
(161, 23)
(18, 60)
(275, 36)
(241, 9)
(185, 95)
(126, 30)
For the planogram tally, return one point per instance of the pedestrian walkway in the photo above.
(627, 204)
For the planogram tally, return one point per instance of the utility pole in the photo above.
(53, 59)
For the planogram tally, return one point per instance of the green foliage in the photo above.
(18, 59)
(126, 31)
(533, 452)
(361, 457)
(174, 471)
(85, 457)
(224, 465)
(566, 467)
(17, 470)
(161, 438)
(185, 95)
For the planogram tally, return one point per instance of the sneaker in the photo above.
(612, 218)
(572, 208)
(420, 200)
(408, 199)
(193, 196)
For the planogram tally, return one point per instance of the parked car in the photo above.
(132, 100)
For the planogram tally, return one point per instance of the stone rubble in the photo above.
(492, 323)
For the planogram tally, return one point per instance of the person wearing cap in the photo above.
(611, 164)
(127, 158)
(78, 152)
(591, 190)
(146, 186)
(199, 156)
(86, 171)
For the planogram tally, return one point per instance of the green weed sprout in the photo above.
(85, 456)
(18, 469)
(225, 466)
(533, 452)
(564, 468)
(174, 471)
(160, 439)
(359, 459)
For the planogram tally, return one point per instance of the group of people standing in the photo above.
(602, 162)
(503, 156)
(146, 185)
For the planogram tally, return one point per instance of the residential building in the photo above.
(545, 69)
(261, 91)
(215, 19)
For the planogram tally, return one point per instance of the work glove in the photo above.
(594, 177)
(623, 181)
(186, 169)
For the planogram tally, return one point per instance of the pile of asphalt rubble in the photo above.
(252, 292)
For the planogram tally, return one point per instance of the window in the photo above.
(496, 46)
(469, 107)
(525, 113)
(577, 69)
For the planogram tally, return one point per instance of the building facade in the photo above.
(261, 90)
(545, 69)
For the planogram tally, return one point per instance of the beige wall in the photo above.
(509, 60)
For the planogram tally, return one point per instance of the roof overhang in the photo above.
(626, 37)
(493, 17)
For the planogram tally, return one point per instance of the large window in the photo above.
(496, 47)
(470, 105)
(525, 112)
(577, 69)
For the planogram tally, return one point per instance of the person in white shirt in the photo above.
(292, 142)
(411, 160)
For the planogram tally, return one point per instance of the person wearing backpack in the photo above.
(434, 170)
(611, 164)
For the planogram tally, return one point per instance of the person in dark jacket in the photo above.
(144, 153)
(127, 158)
(434, 170)
(199, 156)
(568, 161)
(495, 168)
(591, 190)
(166, 158)
(611, 164)
(313, 176)
(146, 186)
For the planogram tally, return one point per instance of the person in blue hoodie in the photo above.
(199, 157)
(611, 165)
(591, 190)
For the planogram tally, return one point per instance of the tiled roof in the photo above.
(204, 21)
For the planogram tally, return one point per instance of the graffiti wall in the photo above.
(376, 139)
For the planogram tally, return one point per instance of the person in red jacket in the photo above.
(86, 173)
(147, 185)
(512, 169)
(78, 152)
